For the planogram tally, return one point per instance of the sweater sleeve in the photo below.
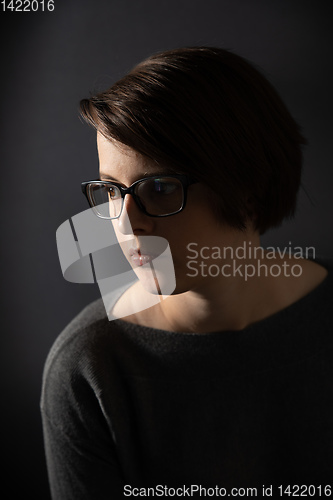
(80, 446)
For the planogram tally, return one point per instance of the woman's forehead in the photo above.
(118, 161)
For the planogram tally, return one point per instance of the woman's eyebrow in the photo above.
(146, 174)
(107, 176)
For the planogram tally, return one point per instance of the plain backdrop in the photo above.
(49, 61)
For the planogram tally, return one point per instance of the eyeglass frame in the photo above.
(184, 179)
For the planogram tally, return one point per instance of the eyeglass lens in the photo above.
(158, 196)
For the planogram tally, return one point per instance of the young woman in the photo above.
(225, 382)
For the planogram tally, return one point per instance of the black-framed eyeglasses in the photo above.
(157, 196)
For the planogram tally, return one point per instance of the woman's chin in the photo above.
(155, 280)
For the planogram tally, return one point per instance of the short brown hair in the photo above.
(209, 113)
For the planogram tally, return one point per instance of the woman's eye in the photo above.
(112, 192)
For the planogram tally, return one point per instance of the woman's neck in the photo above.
(232, 304)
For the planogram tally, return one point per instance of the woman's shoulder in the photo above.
(86, 365)
(86, 331)
(80, 353)
(90, 320)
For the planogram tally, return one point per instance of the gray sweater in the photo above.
(126, 406)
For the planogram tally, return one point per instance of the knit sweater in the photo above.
(127, 406)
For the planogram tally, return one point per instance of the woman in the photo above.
(225, 381)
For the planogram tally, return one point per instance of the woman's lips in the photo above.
(140, 259)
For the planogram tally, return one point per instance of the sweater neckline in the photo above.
(311, 302)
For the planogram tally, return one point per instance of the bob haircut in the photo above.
(209, 113)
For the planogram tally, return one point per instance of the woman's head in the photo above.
(208, 113)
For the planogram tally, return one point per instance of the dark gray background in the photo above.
(49, 62)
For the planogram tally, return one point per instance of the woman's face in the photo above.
(139, 235)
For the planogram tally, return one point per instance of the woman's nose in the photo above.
(132, 220)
